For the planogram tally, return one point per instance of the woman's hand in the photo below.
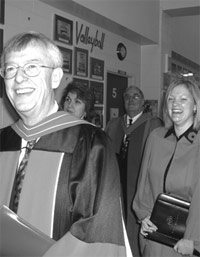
(147, 226)
(184, 246)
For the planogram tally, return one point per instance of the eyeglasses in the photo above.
(130, 97)
(29, 69)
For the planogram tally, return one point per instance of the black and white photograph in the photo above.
(83, 82)
(2, 11)
(81, 62)
(98, 118)
(96, 68)
(63, 30)
(67, 59)
(97, 88)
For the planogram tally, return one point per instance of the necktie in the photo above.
(130, 122)
(126, 140)
(20, 175)
(124, 146)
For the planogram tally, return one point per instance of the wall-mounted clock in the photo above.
(121, 51)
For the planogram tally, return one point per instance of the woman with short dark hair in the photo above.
(78, 100)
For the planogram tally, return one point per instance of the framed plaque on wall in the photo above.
(96, 68)
(2, 11)
(97, 88)
(80, 62)
(67, 59)
(63, 30)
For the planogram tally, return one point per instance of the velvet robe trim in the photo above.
(52, 123)
(116, 128)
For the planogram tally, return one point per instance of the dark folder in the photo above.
(169, 215)
(18, 238)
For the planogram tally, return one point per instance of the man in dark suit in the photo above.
(129, 133)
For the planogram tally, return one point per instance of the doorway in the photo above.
(116, 84)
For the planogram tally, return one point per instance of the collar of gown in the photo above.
(52, 123)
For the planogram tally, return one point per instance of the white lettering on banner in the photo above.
(84, 37)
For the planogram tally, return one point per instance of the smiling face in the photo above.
(32, 97)
(181, 107)
(74, 105)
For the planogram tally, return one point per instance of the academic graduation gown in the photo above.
(138, 133)
(71, 189)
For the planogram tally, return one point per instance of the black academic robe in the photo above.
(71, 189)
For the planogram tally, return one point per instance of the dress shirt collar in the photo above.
(133, 119)
(55, 108)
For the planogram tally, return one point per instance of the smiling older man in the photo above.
(71, 188)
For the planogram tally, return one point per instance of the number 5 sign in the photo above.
(114, 92)
(116, 85)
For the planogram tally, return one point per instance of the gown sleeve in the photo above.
(143, 200)
(96, 214)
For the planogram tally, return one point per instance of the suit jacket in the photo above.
(71, 189)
